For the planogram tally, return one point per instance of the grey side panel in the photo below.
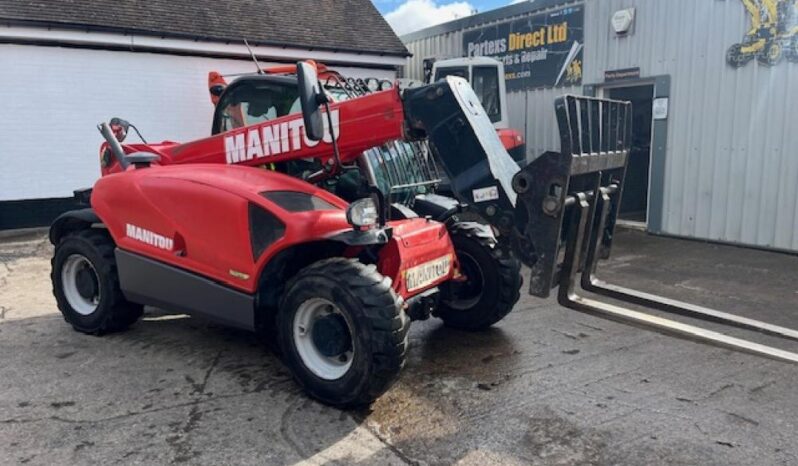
(659, 151)
(153, 283)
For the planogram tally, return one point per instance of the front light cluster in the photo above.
(362, 213)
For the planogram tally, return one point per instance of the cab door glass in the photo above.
(255, 103)
(485, 82)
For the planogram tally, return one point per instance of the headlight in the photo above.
(362, 213)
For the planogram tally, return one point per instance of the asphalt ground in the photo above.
(546, 386)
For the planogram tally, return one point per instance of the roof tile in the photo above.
(350, 25)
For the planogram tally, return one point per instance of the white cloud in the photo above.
(413, 15)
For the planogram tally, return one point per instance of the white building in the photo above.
(69, 65)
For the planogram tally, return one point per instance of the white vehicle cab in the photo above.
(486, 76)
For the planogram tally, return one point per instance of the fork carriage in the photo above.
(558, 213)
(571, 219)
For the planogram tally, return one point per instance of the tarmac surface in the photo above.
(546, 386)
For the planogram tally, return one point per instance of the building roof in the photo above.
(340, 25)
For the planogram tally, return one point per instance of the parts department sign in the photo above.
(542, 50)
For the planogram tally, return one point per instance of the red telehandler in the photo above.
(232, 228)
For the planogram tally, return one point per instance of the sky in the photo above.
(406, 16)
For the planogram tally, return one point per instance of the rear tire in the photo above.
(342, 332)
(86, 284)
(493, 280)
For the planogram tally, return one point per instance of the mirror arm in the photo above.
(336, 153)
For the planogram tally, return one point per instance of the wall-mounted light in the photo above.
(622, 21)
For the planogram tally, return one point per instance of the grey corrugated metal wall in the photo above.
(731, 170)
(731, 163)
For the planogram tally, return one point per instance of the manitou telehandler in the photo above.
(245, 228)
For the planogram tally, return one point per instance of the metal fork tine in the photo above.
(569, 298)
(593, 284)
(590, 170)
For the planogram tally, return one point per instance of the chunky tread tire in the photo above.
(114, 313)
(502, 276)
(380, 329)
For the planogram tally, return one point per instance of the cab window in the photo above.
(460, 71)
(253, 103)
(485, 81)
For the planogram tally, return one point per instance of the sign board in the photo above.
(543, 50)
(660, 108)
(621, 75)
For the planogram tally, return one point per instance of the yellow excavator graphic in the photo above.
(773, 34)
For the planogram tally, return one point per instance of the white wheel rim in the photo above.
(69, 276)
(324, 367)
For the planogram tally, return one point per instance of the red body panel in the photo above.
(415, 242)
(195, 217)
(510, 138)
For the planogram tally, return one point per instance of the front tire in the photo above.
(493, 279)
(86, 284)
(342, 331)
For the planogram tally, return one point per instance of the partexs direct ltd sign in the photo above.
(542, 50)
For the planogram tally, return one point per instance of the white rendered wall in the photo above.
(52, 99)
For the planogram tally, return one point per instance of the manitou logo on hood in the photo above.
(148, 237)
(275, 139)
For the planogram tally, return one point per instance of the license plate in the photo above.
(427, 273)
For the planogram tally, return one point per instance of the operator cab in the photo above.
(254, 99)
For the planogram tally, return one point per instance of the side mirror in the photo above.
(120, 128)
(310, 97)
